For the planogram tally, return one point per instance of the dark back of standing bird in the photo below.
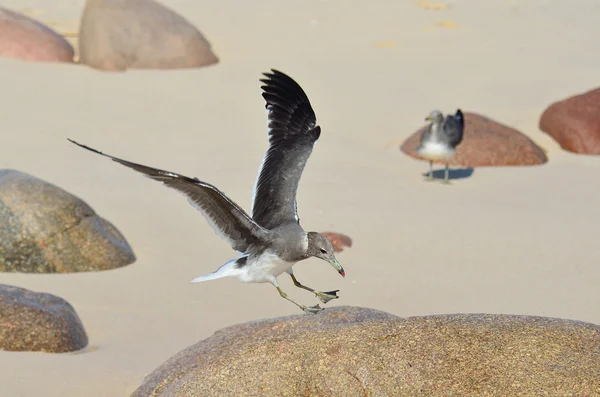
(454, 127)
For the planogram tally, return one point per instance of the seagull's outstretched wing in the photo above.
(292, 134)
(453, 128)
(228, 220)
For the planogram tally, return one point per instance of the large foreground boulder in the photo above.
(116, 35)
(349, 351)
(31, 321)
(24, 38)
(47, 230)
(486, 143)
(575, 122)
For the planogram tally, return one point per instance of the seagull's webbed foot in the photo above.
(312, 309)
(323, 296)
(327, 296)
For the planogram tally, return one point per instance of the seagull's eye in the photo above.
(323, 251)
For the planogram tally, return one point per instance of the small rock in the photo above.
(32, 321)
(486, 143)
(338, 240)
(116, 35)
(47, 230)
(575, 122)
(24, 38)
(350, 351)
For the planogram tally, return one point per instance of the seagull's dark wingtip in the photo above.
(87, 147)
(72, 141)
(270, 75)
(460, 118)
(278, 77)
(283, 86)
(459, 115)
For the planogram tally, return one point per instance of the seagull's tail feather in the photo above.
(226, 270)
(208, 277)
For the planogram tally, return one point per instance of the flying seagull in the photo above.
(270, 240)
(440, 139)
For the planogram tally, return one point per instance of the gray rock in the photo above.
(348, 351)
(47, 230)
(31, 321)
(116, 35)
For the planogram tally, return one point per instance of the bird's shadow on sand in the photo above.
(457, 173)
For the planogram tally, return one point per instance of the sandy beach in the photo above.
(513, 240)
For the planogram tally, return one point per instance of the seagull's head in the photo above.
(435, 116)
(320, 247)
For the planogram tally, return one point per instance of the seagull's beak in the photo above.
(336, 265)
(428, 118)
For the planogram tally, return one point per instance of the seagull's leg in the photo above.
(446, 175)
(312, 309)
(323, 296)
(430, 177)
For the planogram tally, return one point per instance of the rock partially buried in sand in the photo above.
(47, 230)
(575, 122)
(116, 35)
(338, 240)
(32, 321)
(350, 351)
(24, 38)
(486, 143)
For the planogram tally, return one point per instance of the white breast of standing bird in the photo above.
(264, 267)
(435, 151)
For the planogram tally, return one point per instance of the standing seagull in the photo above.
(270, 241)
(440, 139)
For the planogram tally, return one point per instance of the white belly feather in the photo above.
(263, 269)
(435, 151)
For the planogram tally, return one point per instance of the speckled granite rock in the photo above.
(47, 230)
(350, 351)
(32, 321)
(486, 143)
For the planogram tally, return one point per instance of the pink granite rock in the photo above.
(575, 122)
(338, 240)
(24, 38)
